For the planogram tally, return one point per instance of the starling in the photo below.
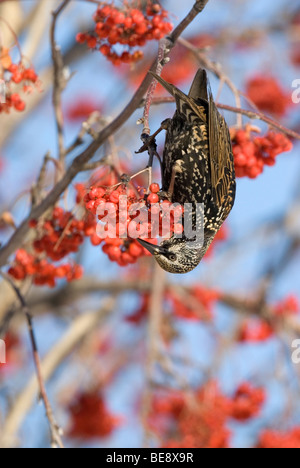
(197, 169)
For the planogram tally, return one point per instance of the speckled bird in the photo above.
(197, 169)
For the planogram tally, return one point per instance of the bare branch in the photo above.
(247, 113)
(59, 81)
(54, 428)
(165, 46)
(263, 118)
(154, 334)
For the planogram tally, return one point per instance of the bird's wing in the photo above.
(221, 159)
(199, 88)
(186, 107)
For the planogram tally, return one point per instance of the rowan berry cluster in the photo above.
(288, 306)
(247, 402)
(57, 237)
(128, 27)
(197, 422)
(81, 109)
(280, 440)
(41, 271)
(251, 153)
(140, 217)
(255, 331)
(90, 417)
(15, 75)
(200, 420)
(62, 235)
(268, 95)
(197, 305)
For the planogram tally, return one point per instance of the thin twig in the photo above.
(154, 333)
(38, 187)
(263, 118)
(59, 81)
(85, 129)
(247, 113)
(165, 46)
(217, 70)
(55, 431)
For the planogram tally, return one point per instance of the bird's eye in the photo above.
(173, 257)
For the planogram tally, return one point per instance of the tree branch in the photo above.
(247, 113)
(59, 81)
(165, 46)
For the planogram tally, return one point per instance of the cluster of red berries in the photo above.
(138, 218)
(251, 153)
(12, 101)
(128, 27)
(14, 75)
(141, 312)
(288, 306)
(90, 417)
(57, 237)
(280, 440)
(82, 109)
(197, 305)
(200, 420)
(43, 273)
(247, 402)
(268, 95)
(255, 331)
(62, 234)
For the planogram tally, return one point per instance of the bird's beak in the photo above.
(153, 249)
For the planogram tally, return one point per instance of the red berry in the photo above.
(105, 49)
(154, 188)
(81, 38)
(20, 106)
(153, 198)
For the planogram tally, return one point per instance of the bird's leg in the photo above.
(149, 140)
(177, 169)
(150, 144)
(125, 179)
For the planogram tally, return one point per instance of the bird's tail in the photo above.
(199, 86)
(186, 105)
